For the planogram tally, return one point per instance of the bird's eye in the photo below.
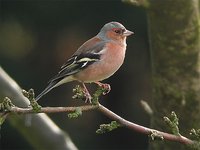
(117, 31)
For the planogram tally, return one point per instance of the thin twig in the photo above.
(19, 110)
(142, 129)
(109, 114)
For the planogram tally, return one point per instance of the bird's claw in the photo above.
(88, 98)
(107, 88)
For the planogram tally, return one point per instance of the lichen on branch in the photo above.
(6, 107)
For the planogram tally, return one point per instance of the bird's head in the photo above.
(114, 31)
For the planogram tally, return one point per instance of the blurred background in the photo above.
(37, 37)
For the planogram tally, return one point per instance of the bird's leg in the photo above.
(105, 86)
(87, 94)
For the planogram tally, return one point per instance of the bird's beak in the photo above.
(127, 33)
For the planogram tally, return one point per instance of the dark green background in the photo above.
(37, 37)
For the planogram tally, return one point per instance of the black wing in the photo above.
(75, 64)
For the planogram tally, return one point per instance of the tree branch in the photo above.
(7, 107)
(123, 122)
(19, 110)
(142, 129)
(43, 132)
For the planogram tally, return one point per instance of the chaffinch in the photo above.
(96, 60)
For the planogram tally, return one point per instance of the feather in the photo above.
(86, 55)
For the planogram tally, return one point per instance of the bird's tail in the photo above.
(47, 89)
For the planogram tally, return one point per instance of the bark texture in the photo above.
(175, 46)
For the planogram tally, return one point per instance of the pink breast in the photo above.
(109, 64)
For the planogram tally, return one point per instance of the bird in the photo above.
(97, 59)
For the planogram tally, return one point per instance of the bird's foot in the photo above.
(88, 97)
(105, 86)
